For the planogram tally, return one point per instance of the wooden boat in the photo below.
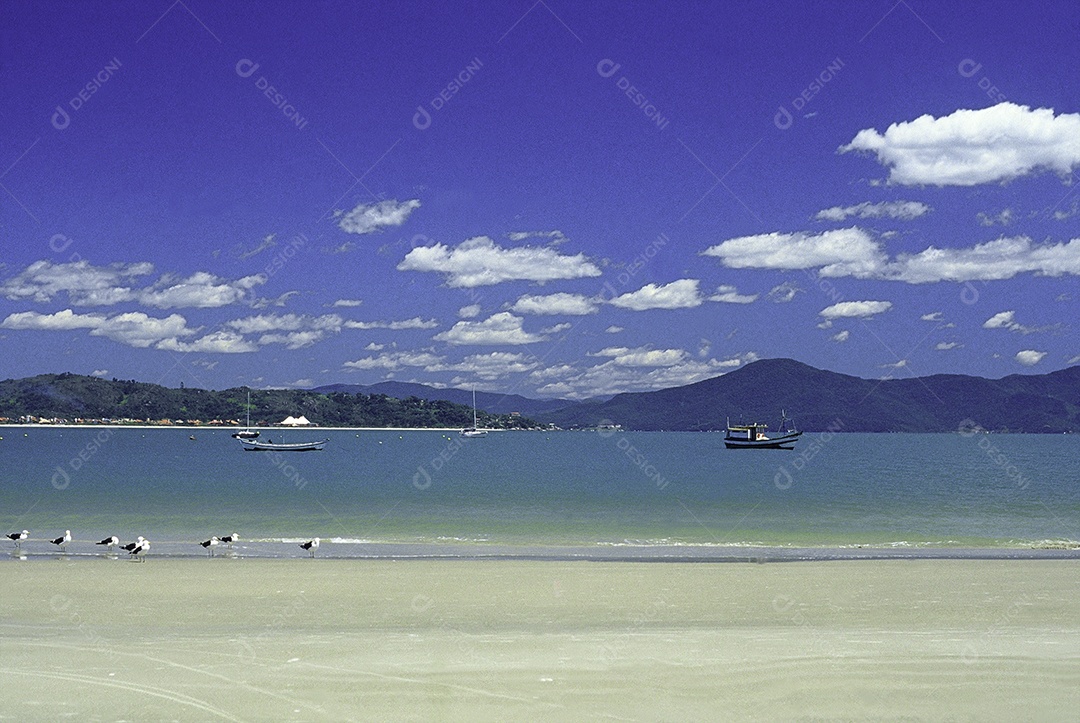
(756, 436)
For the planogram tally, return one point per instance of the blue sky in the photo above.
(551, 199)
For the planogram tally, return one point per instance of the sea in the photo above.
(611, 494)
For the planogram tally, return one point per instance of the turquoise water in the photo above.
(533, 488)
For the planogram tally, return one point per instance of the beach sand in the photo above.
(241, 639)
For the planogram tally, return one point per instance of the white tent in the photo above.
(291, 421)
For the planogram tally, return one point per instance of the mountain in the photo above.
(819, 399)
(487, 401)
(72, 396)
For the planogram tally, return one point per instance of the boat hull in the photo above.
(785, 442)
(253, 446)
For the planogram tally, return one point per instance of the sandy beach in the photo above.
(236, 639)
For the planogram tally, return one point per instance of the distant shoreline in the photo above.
(231, 429)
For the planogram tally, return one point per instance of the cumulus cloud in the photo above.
(903, 210)
(89, 285)
(1004, 218)
(842, 336)
(851, 252)
(971, 147)
(469, 312)
(932, 316)
(392, 361)
(855, 309)
(217, 342)
(841, 252)
(480, 262)
(347, 303)
(681, 294)
(1030, 357)
(948, 345)
(629, 370)
(372, 217)
(730, 295)
(560, 303)
(501, 328)
(556, 236)
(613, 329)
(496, 365)
(84, 283)
(1007, 320)
(133, 328)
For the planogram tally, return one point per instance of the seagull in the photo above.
(110, 541)
(311, 546)
(18, 537)
(230, 539)
(63, 541)
(140, 549)
(130, 547)
(211, 544)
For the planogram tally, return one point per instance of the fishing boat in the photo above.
(247, 432)
(756, 436)
(252, 445)
(473, 431)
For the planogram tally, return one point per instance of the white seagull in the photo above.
(140, 549)
(130, 547)
(230, 539)
(211, 544)
(311, 546)
(110, 541)
(18, 537)
(62, 542)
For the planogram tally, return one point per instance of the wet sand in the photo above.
(243, 639)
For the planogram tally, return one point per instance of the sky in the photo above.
(545, 198)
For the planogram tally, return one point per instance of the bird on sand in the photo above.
(311, 546)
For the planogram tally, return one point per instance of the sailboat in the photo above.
(473, 431)
(247, 432)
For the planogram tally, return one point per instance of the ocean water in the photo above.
(513, 489)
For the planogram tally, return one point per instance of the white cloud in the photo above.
(841, 336)
(851, 252)
(948, 345)
(903, 210)
(613, 329)
(1075, 360)
(990, 261)
(133, 328)
(100, 373)
(855, 309)
(840, 252)
(681, 294)
(731, 295)
(642, 357)
(348, 303)
(374, 347)
(396, 360)
(217, 342)
(84, 284)
(630, 370)
(414, 323)
(495, 365)
(200, 290)
(88, 285)
(1007, 320)
(971, 147)
(556, 236)
(557, 329)
(371, 217)
(479, 262)
(895, 365)
(784, 293)
(932, 316)
(1004, 218)
(1030, 357)
(501, 328)
(286, 322)
(560, 303)
(469, 312)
